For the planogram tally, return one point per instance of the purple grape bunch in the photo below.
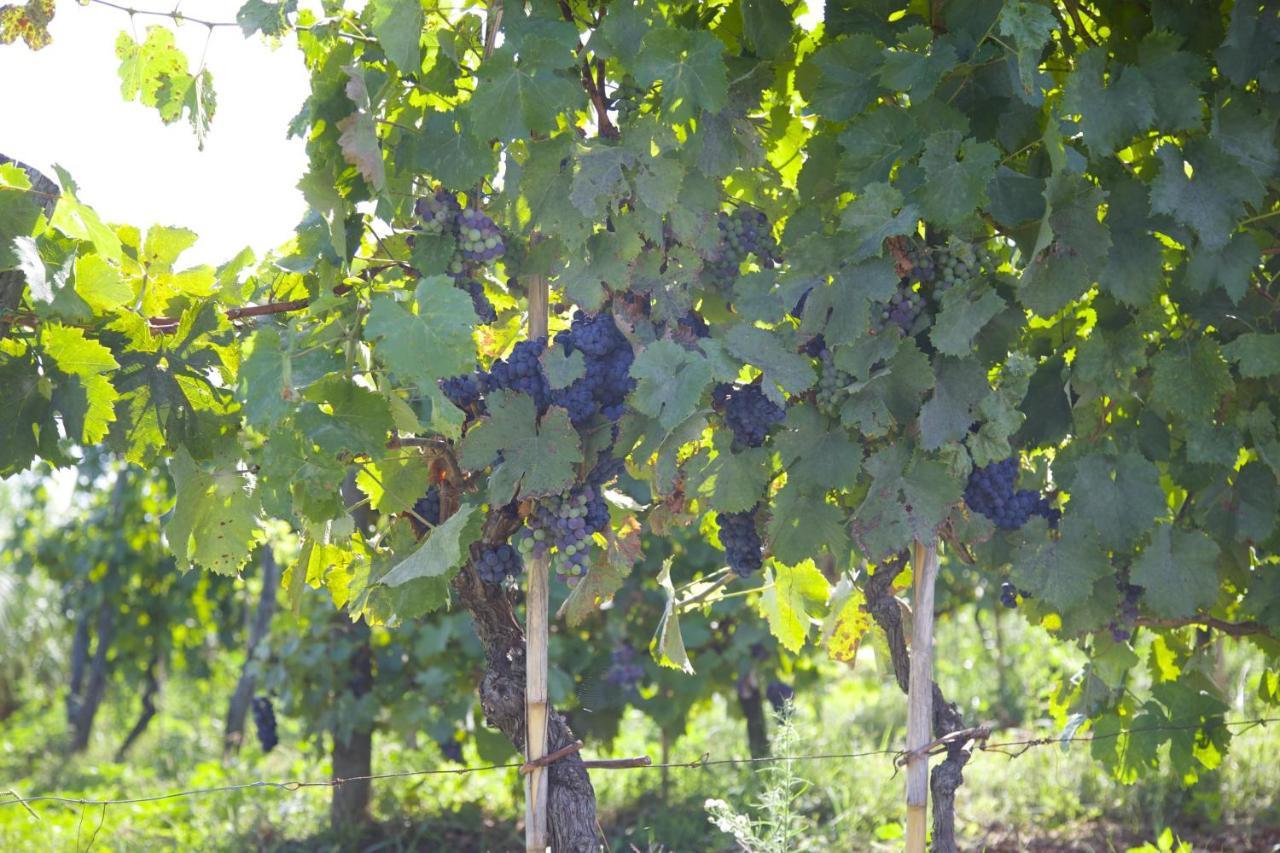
(780, 695)
(741, 540)
(747, 411)
(624, 672)
(744, 232)
(606, 381)
(480, 302)
(438, 212)
(990, 492)
(479, 239)
(1127, 618)
(565, 524)
(902, 310)
(264, 722)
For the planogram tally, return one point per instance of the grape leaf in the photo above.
(19, 211)
(443, 552)
(1188, 380)
(88, 361)
(562, 369)
(1113, 112)
(966, 309)
(1028, 25)
(394, 484)
(606, 575)
(763, 350)
(358, 137)
(847, 622)
(214, 522)
(512, 100)
(957, 171)
(789, 595)
(1059, 571)
(947, 416)
(690, 68)
(270, 19)
(1119, 499)
(801, 524)
(430, 343)
(667, 645)
(670, 382)
(358, 419)
(538, 458)
(839, 80)
(449, 150)
(1257, 354)
(816, 457)
(733, 482)
(398, 26)
(1177, 572)
(1208, 201)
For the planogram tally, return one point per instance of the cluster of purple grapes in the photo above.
(479, 239)
(744, 232)
(521, 371)
(624, 672)
(747, 411)
(605, 383)
(990, 492)
(780, 695)
(496, 563)
(451, 749)
(264, 721)
(566, 523)
(438, 212)
(741, 541)
(427, 507)
(1010, 595)
(483, 307)
(1127, 618)
(902, 309)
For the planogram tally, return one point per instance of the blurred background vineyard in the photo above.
(178, 642)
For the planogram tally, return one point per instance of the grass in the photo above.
(1046, 799)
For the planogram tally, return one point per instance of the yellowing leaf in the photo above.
(786, 603)
(846, 623)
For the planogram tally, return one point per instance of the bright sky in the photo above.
(63, 105)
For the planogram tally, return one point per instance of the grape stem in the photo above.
(706, 593)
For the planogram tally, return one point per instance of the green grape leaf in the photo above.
(214, 524)
(1209, 201)
(1134, 269)
(1075, 247)
(1028, 25)
(99, 284)
(511, 100)
(1113, 112)
(957, 171)
(398, 26)
(1188, 380)
(1257, 354)
(1177, 572)
(802, 524)
(1061, 572)
(563, 369)
(443, 552)
(947, 416)
(155, 73)
(966, 309)
(876, 214)
(733, 482)
(691, 68)
(19, 211)
(357, 421)
(89, 362)
(667, 645)
(538, 458)
(790, 594)
(449, 151)
(765, 351)
(816, 457)
(270, 19)
(429, 343)
(394, 484)
(1118, 499)
(669, 382)
(839, 80)
(1230, 268)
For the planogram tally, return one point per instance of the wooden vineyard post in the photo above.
(535, 712)
(924, 569)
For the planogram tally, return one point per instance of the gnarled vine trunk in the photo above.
(751, 702)
(95, 687)
(571, 801)
(948, 776)
(150, 690)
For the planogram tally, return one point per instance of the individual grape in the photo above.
(496, 563)
(741, 541)
(438, 212)
(624, 671)
(747, 411)
(264, 721)
(833, 385)
(451, 749)
(480, 302)
(478, 237)
(990, 492)
(780, 695)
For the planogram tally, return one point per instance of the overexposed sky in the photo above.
(63, 105)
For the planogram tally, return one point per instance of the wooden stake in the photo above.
(924, 567)
(535, 697)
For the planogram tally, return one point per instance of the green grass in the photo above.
(1047, 795)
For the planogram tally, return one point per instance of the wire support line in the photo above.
(1008, 748)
